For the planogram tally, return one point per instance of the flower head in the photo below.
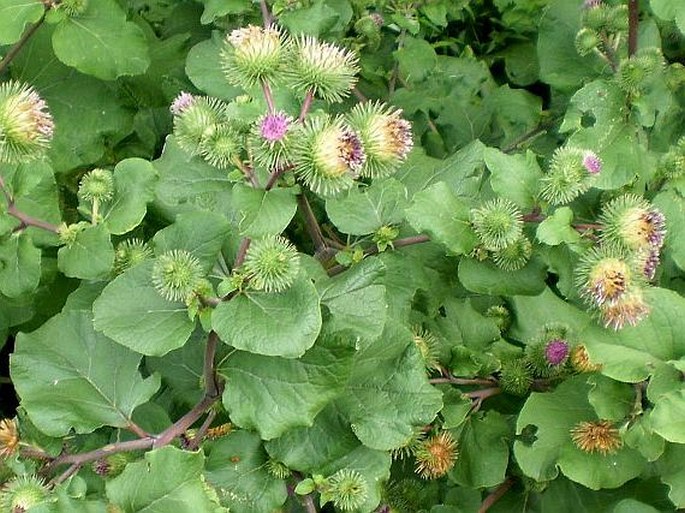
(130, 253)
(598, 436)
(97, 185)
(271, 264)
(26, 126)
(631, 309)
(387, 137)
(252, 55)
(197, 120)
(221, 147)
(632, 223)
(182, 103)
(328, 156)
(176, 274)
(326, 70)
(514, 256)
(556, 352)
(648, 260)
(9, 437)
(427, 344)
(273, 127)
(569, 175)
(498, 223)
(592, 163)
(270, 140)
(436, 455)
(580, 360)
(516, 377)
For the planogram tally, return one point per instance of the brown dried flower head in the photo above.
(597, 436)
(436, 455)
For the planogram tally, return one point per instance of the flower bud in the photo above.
(347, 489)
(277, 469)
(130, 253)
(427, 344)
(67, 233)
(73, 8)
(221, 147)
(195, 119)
(387, 138)
(271, 264)
(97, 186)
(500, 315)
(328, 156)
(515, 255)
(326, 70)
(176, 273)
(515, 377)
(21, 493)
(252, 55)
(587, 41)
(498, 223)
(26, 126)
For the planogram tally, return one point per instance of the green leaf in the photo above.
(314, 20)
(557, 229)
(363, 210)
(670, 10)
(672, 205)
(134, 181)
(560, 64)
(243, 485)
(271, 394)
(359, 285)
(514, 177)
(100, 42)
(188, 183)
(444, 216)
(168, 479)
(487, 278)
(483, 451)
(668, 416)
(632, 353)
(416, 58)
(610, 399)
(329, 445)
(131, 312)
(551, 416)
(71, 377)
(90, 256)
(517, 113)
(218, 8)
(633, 506)
(388, 395)
(262, 212)
(19, 265)
(274, 324)
(202, 70)
(200, 233)
(672, 473)
(14, 16)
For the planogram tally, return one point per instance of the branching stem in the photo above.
(496, 495)
(25, 219)
(12, 53)
(313, 228)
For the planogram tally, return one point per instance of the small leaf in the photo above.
(262, 212)
(90, 256)
(71, 377)
(672, 473)
(557, 229)
(668, 416)
(514, 177)
(206, 75)
(445, 217)
(19, 265)
(363, 210)
(218, 8)
(236, 468)
(274, 324)
(134, 181)
(134, 314)
(168, 479)
(100, 42)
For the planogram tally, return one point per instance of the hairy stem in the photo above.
(496, 495)
(267, 17)
(12, 53)
(306, 105)
(313, 228)
(633, 22)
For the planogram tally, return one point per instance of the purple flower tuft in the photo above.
(182, 103)
(556, 352)
(657, 222)
(650, 264)
(351, 150)
(274, 126)
(592, 163)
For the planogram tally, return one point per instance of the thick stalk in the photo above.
(633, 23)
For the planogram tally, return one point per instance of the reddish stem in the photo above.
(496, 495)
(306, 105)
(633, 23)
